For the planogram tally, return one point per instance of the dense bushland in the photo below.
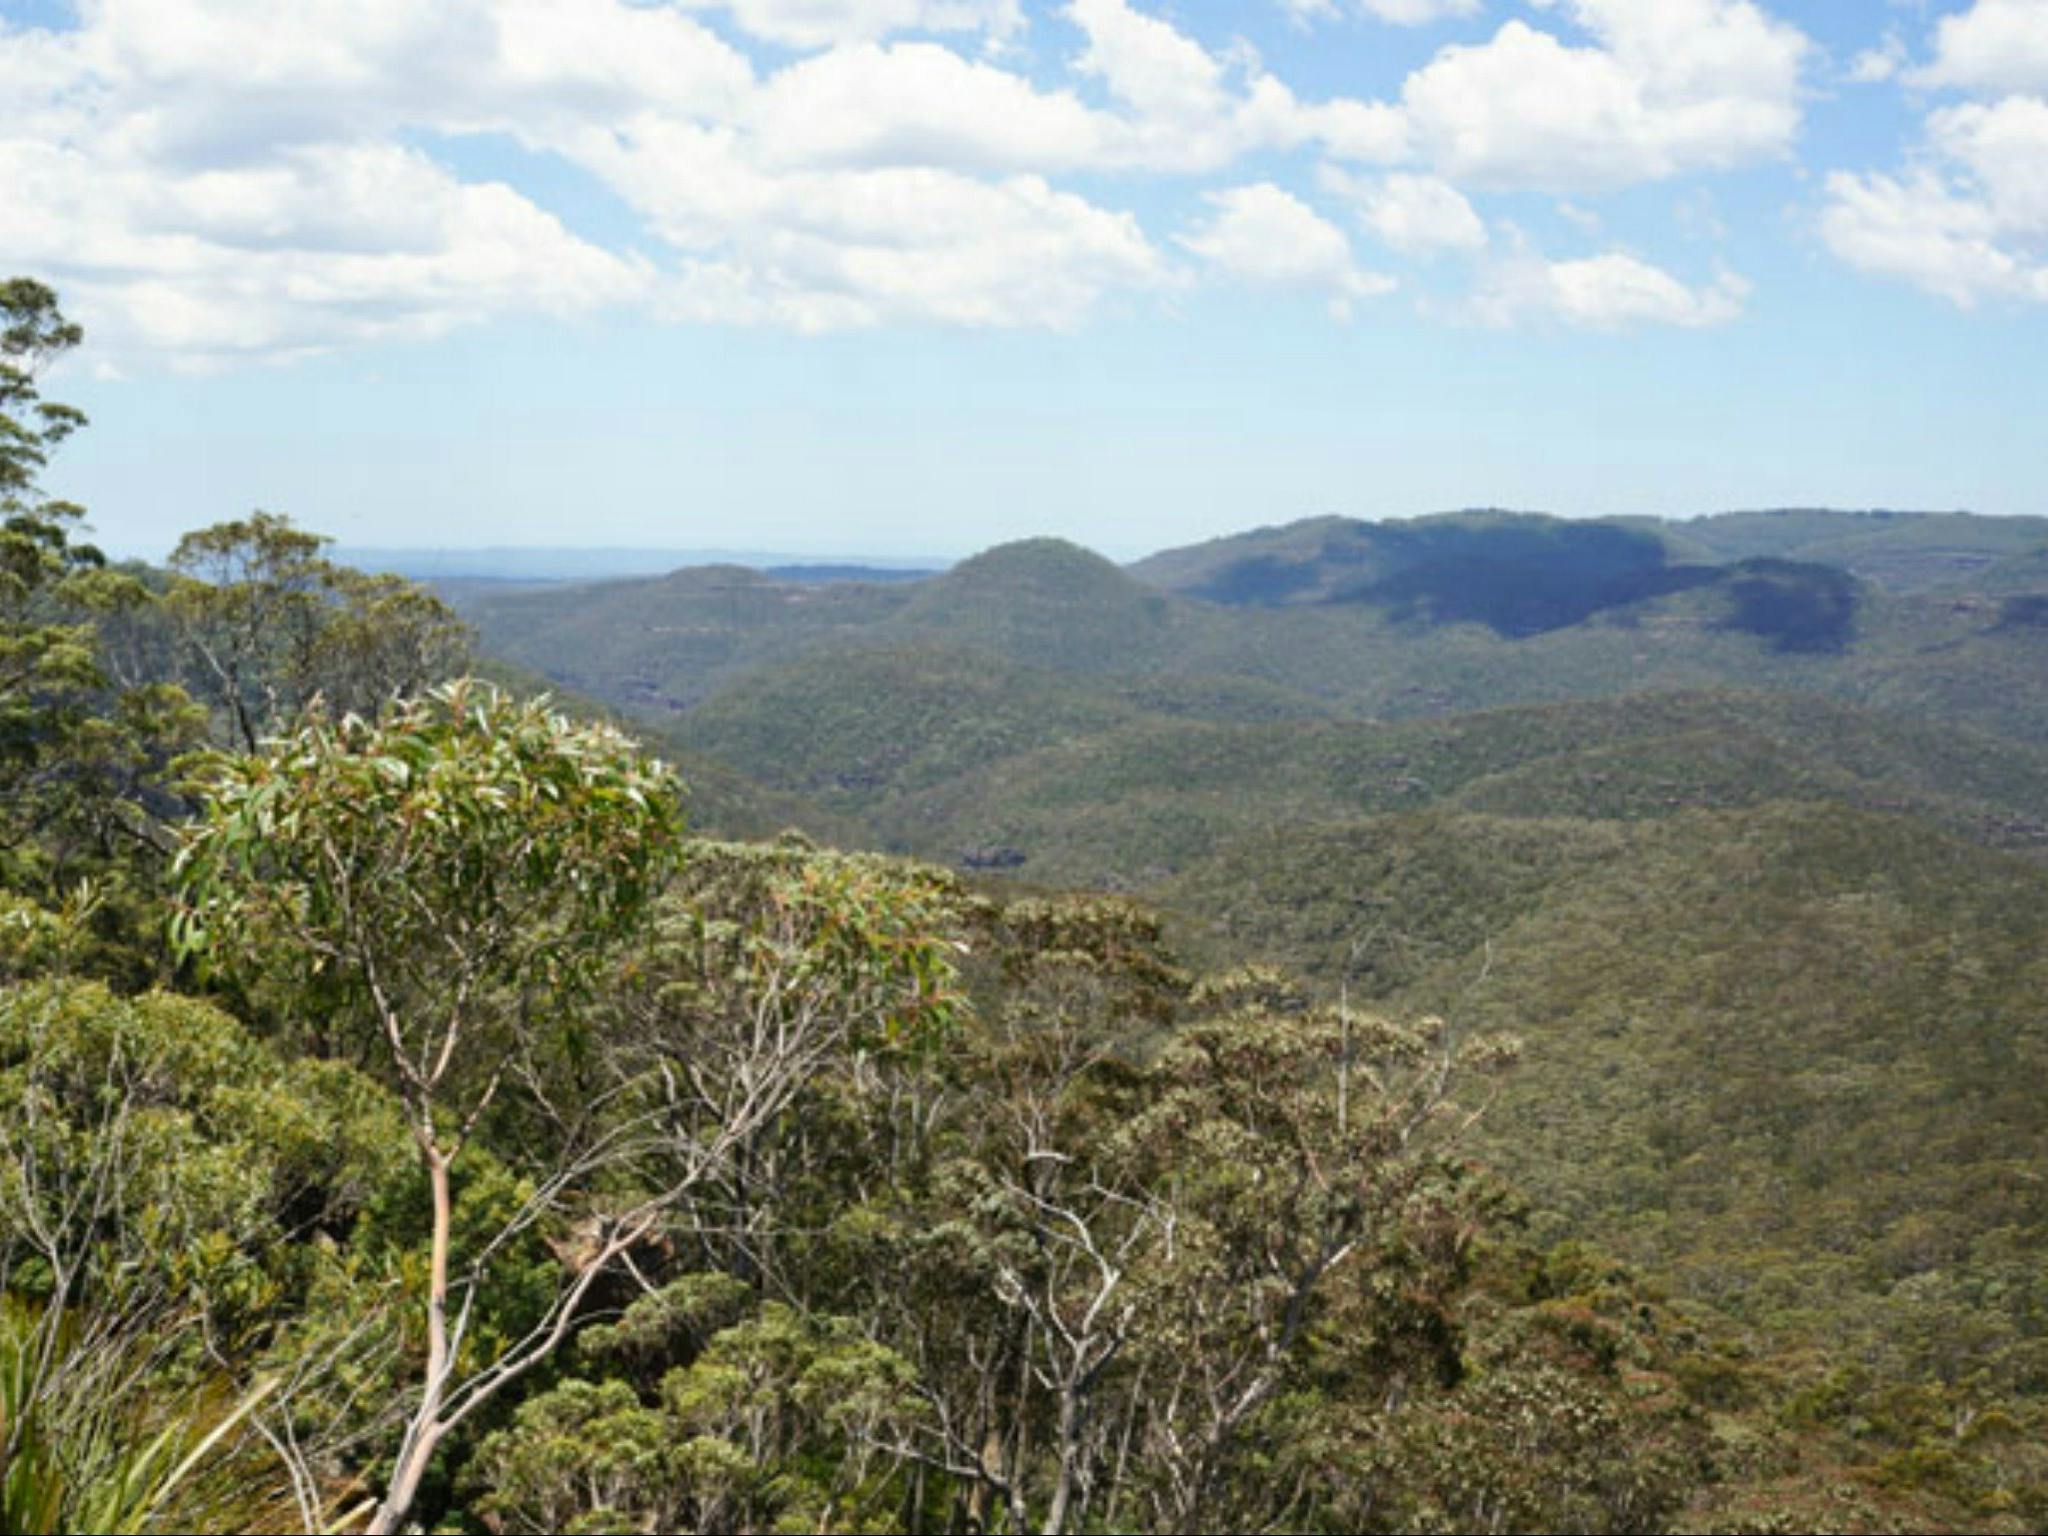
(408, 1119)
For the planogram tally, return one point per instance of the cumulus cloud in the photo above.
(1994, 46)
(1966, 217)
(1416, 215)
(322, 248)
(212, 183)
(1415, 13)
(270, 180)
(823, 23)
(1401, 13)
(1181, 109)
(213, 179)
(1970, 222)
(1608, 292)
(206, 80)
(920, 104)
(1265, 236)
(1667, 86)
(822, 250)
(1874, 66)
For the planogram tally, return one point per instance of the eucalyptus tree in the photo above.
(267, 624)
(459, 868)
(76, 749)
(482, 880)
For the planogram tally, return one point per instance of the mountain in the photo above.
(1049, 603)
(1898, 551)
(1518, 572)
(1587, 563)
(570, 563)
(1477, 611)
(663, 643)
(1788, 1057)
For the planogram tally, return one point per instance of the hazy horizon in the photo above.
(420, 557)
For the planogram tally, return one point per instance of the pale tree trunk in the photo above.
(1069, 1441)
(423, 1434)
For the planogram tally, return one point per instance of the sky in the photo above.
(913, 277)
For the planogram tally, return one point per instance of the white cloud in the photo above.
(1967, 217)
(1148, 64)
(220, 178)
(1671, 86)
(203, 80)
(920, 104)
(1996, 45)
(1415, 13)
(821, 249)
(1874, 66)
(225, 178)
(1970, 222)
(1416, 215)
(1182, 110)
(1401, 13)
(1265, 236)
(1373, 132)
(823, 23)
(324, 248)
(211, 180)
(1178, 109)
(2004, 149)
(1608, 292)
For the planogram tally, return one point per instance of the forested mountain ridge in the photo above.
(1328, 558)
(1469, 612)
(411, 1120)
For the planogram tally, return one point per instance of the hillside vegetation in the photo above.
(1787, 1058)
(1334, 558)
(1436, 617)
(1121, 792)
(1739, 822)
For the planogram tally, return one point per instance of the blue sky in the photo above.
(915, 276)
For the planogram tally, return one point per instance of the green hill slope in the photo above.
(1789, 1057)
(1048, 603)
(857, 726)
(1328, 558)
(719, 800)
(1132, 804)
(1900, 551)
(1486, 612)
(662, 644)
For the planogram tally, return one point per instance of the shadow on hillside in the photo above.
(2027, 611)
(1523, 579)
(1800, 608)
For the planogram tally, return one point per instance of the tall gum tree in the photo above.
(81, 748)
(460, 867)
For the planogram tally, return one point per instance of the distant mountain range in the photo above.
(519, 564)
(1742, 822)
(1933, 613)
(1330, 556)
